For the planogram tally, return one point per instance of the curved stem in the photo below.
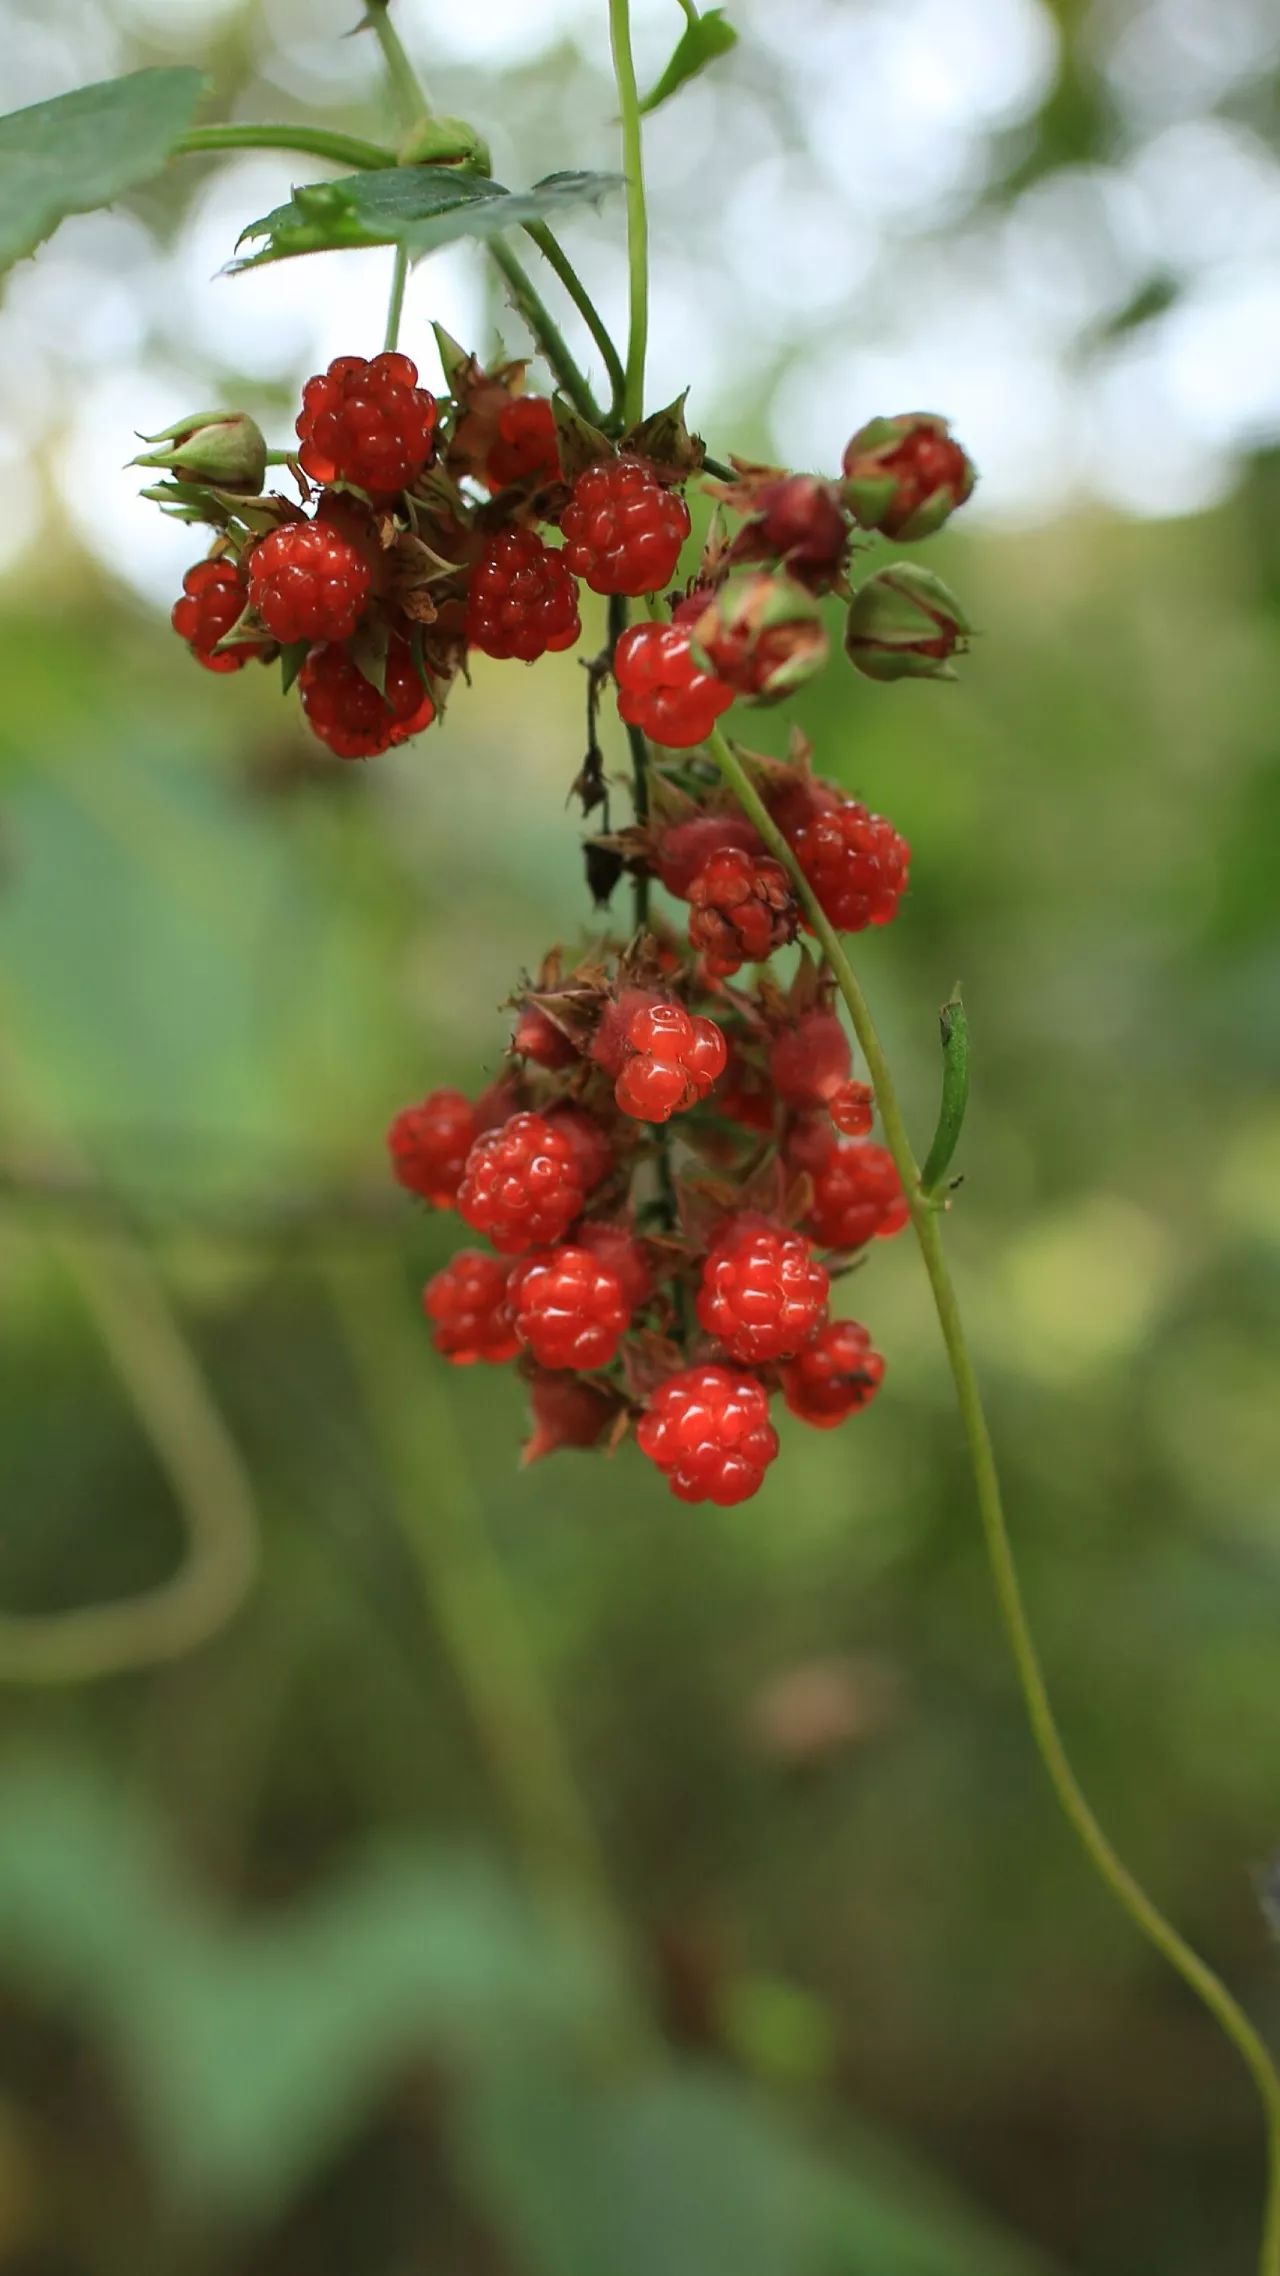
(407, 91)
(315, 141)
(395, 306)
(1198, 1976)
(529, 304)
(554, 254)
(637, 214)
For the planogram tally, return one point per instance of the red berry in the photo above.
(522, 599)
(798, 521)
(215, 595)
(855, 861)
(660, 688)
(626, 1257)
(833, 1376)
(852, 1109)
(527, 449)
(429, 1144)
(810, 1062)
(569, 1308)
(368, 423)
(857, 1194)
(763, 1292)
(536, 1037)
(522, 1184)
(622, 531)
(905, 475)
(808, 1142)
(310, 580)
(708, 1429)
(469, 1304)
(672, 1060)
(588, 1143)
(746, 1095)
(743, 908)
(686, 848)
(567, 1412)
(345, 709)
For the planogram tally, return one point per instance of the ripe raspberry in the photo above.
(742, 909)
(429, 1144)
(523, 598)
(835, 1375)
(856, 863)
(569, 1308)
(763, 1293)
(537, 1037)
(311, 580)
(708, 1428)
(521, 1185)
(622, 531)
(673, 1060)
(346, 711)
(626, 1257)
(215, 595)
(367, 423)
(472, 1312)
(686, 848)
(660, 688)
(527, 449)
(567, 1412)
(857, 1194)
(852, 1109)
(810, 1062)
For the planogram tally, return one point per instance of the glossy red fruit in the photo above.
(626, 1257)
(708, 1430)
(672, 1060)
(566, 1411)
(622, 530)
(310, 580)
(763, 1292)
(857, 1196)
(368, 423)
(662, 691)
(742, 908)
(429, 1144)
(569, 1308)
(537, 1037)
(521, 1185)
(798, 521)
(685, 849)
(522, 600)
(345, 709)
(810, 1062)
(526, 450)
(835, 1375)
(215, 595)
(855, 861)
(853, 1109)
(469, 1306)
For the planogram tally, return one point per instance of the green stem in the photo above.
(395, 306)
(551, 340)
(407, 91)
(553, 252)
(639, 749)
(624, 72)
(1110, 1867)
(316, 141)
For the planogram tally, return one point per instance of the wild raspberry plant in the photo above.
(678, 1165)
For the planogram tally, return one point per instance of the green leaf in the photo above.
(702, 40)
(84, 149)
(419, 207)
(292, 658)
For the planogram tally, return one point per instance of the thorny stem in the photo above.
(315, 141)
(637, 215)
(529, 304)
(407, 91)
(554, 254)
(1199, 1977)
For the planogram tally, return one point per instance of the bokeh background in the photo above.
(282, 1982)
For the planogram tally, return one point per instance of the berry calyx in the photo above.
(345, 709)
(742, 908)
(763, 1291)
(310, 581)
(904, 476)
(521, 1185)
(662, 690)
(569, 1308)
(367, 422)
(708, 1430)
(836, 1375)
(686, 848)
(468, 1303)
(810, 1062)
(855, 861)
(905, 624)
(215, 595)
(526, 450)
(857, 1196)
(761, 634)
(672, 1058)
(523, 598)
(622, 530)
(429, 1144)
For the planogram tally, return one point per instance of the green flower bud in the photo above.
(761, 634)
(905, 624)
(225, 449)
(905, 476)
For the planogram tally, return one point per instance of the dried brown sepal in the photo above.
(665, 441)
